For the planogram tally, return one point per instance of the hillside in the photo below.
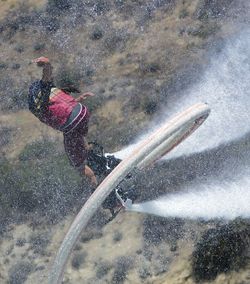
(138, 57)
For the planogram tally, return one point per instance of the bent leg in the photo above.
(76, 149)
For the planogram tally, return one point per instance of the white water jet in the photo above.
(225, 87)
(227, 201)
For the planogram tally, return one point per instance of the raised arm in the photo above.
(47, 68)
(39, 91)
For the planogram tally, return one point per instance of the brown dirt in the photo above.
(7, 6)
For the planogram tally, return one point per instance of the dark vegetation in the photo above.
(156, 230)
(102, 269)
(6, 134)
(78, 259)
(39, 242)
(43, 183)
(121, 266)
(213, 9)
(19, 273)
(220, 250)
(117, 236)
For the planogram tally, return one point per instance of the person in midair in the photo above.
(58, 109)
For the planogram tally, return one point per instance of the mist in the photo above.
(207, 201)
(225, 87)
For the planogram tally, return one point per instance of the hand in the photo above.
(41, 61)
(84, 96)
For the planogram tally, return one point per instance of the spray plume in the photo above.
(225, 87)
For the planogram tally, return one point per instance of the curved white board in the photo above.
(150, 149)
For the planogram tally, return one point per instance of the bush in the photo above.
(220, 250)
(19, 48)
(96, 34)
(101, 7)
(102, 269)
(38, 150)
(11, 98)
(6, 135)
(78, 259)
(183, 13)
(49, 187)
(20, 242)
(15, 66)
(3, 65)
(59, 4)
(91, 235)
(18, 99)
(39, 242)
(150, 105)
(50, 23)
(122, 265)
(117, 236)
(157, 229)
(144, 271)
(205, 30)
(18, 273)
(39, 46)
(94, 103)
(115, 41)
(212, 9)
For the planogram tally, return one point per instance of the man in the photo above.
(58, 109)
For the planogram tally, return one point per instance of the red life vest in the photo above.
(60, 107)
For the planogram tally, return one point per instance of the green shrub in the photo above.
(19, 48)
(91, 235)
(51, 23)
(49, 186)
(5, 135)
(39, 242)
(18, 273)
(96, 34)
(60, 4)
(94, 103)
(102, 269)
(205, 30)
(115, 41)
(78, 259)
(212, 9)
(122, 265)
(15, 66)
(158, 229)
(38, 150)
(3, 65)
(39, 46)
(183, 13)
(117, 236)
(221, 250)
(150, 105)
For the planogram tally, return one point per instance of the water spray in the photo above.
(209, 202)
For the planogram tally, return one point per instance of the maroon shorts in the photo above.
(74, 142)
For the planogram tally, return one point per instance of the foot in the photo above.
(124, 203)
